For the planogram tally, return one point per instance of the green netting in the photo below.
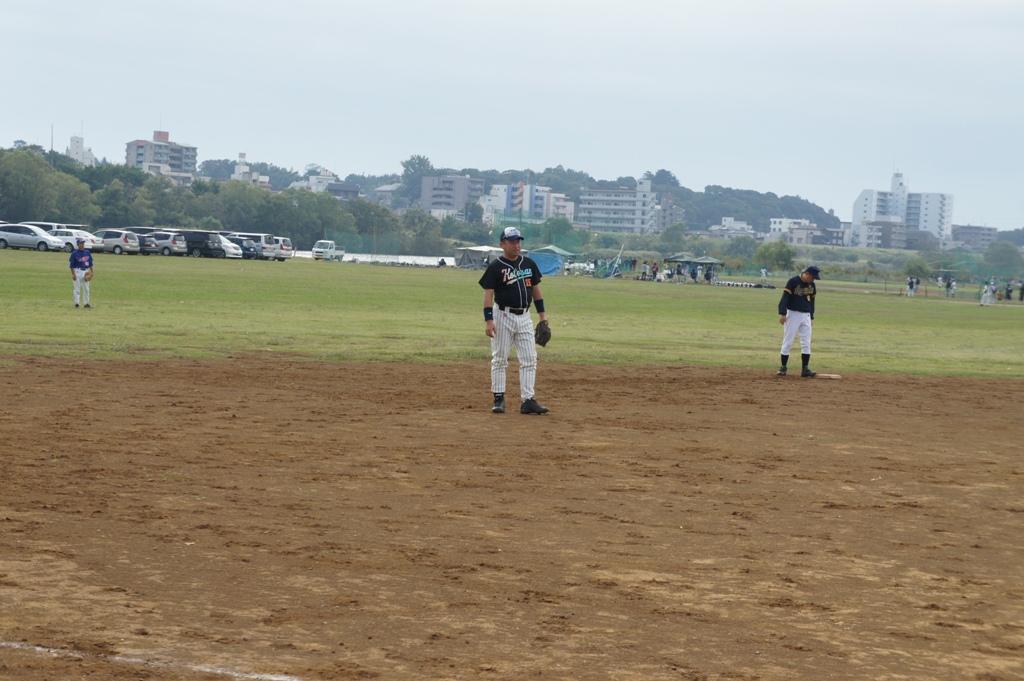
(380, 244)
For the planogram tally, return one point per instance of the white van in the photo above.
(265, 242)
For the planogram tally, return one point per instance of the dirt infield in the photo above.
(259, 518)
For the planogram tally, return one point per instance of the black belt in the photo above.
(513, 310)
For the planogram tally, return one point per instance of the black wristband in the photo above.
(539, 304)
(488, 314)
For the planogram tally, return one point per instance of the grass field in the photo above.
(156, 307)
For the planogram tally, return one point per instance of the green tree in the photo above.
(201, 186)
(168, 201)
(414, 169)
(475, 213)
(73, 202)
(603, 240)
(378, 225)
(122, 206)
(217, 169)
(280, 178)
(239, 205)
(672, 238)
(662, 180)
(99, 176)
(450, 227)
(422, 233)
(776, 256)
(741, 247)
(916, 266)
(211, 224)
(26, 188)
(556, 230)
(1004, 256)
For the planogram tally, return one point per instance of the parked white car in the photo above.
(231, 249)
(28, 236)
(70, 237)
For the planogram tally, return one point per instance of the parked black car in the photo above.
(204, 244)
(250, 251)
(148, 245)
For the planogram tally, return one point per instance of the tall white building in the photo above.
(78, 151)
(243, 173)
(930, 212)
(621, 210)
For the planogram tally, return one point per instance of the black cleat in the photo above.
(530, 406)
(87, 305)
(782, 371)
(499, 406)
(807, 373)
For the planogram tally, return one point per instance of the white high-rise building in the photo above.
(930, 212)
(78, 151)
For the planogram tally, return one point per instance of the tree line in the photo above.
(40, 185)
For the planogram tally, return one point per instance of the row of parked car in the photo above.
(50, 236)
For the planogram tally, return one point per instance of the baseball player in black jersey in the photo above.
(510, 284)
(796, 310)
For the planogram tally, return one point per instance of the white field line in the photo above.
(140, 662)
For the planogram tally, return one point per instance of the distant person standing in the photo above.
(910, 287)
(764, 276)
(796, 311)
(988, 294)
(81, 272)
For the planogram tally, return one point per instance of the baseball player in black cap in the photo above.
(796, 310)
(510, 283)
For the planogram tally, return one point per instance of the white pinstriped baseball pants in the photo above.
(513, 329)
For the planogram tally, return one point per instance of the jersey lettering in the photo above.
(511, 276)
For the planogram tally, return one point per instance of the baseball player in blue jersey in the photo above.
(510, 283)
(81, 271)
(796, 310)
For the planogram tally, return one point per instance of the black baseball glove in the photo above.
(543, 333)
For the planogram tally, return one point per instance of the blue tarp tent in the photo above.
(550, 264)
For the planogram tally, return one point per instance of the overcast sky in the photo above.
(816, 98)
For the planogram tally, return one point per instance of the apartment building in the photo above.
(973, 237)
(931, 212)
(161, 156)
(620, 210)
(530, 202)
(449, 194)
